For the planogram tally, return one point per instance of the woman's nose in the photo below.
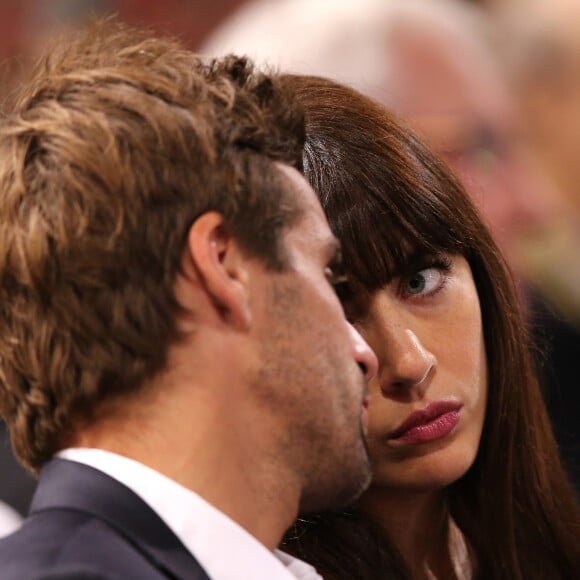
(405, 364)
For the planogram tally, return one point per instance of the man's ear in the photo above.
(222, 268)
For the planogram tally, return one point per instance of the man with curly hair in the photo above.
(174, 362)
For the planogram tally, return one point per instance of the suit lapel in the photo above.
(71, 485)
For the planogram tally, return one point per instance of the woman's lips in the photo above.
(433, 422)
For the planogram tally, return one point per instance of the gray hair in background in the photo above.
(352, 41)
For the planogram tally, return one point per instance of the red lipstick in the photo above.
(433, 422)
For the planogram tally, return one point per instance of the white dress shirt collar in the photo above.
(224, 549)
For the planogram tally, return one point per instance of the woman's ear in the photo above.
(221, 267)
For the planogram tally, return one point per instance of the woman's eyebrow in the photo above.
(413, 261)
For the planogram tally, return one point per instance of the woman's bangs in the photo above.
(381, 231)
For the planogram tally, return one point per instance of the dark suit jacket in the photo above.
(16, 484)
(85, 525)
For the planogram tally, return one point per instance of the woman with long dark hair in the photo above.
(467, 479)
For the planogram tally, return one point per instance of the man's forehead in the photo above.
(311, 222)
(301, 190)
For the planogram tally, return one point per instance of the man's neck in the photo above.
(211, 451)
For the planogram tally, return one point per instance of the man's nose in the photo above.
(363, 354)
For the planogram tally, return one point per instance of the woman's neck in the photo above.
(417, 524)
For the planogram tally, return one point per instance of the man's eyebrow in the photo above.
(334, 250)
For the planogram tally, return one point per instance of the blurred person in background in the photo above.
(431, 63)
(541, 56)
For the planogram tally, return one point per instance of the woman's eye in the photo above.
(426, 281)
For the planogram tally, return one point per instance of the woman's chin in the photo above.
(426, 473)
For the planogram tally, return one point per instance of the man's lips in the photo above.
(433, 422)
(365, 414)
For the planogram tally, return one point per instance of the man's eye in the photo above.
(334, 276)
(339, 281)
